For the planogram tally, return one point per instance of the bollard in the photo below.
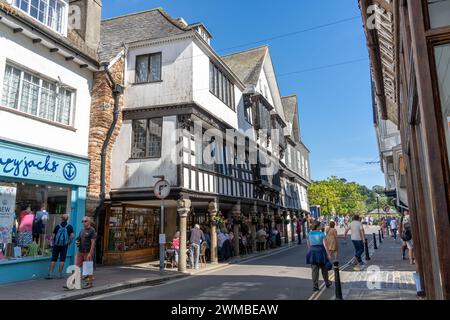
(375, 242)
(379, 237)
(337, 282)
(366, 249)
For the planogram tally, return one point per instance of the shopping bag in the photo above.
(17, 252)
(88, 268)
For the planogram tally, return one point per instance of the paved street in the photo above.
(279, 276)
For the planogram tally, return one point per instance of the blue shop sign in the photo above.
(28, 163)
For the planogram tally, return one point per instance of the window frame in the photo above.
(149, 68)
(41, 79)
(147, 136)
(223, 87)
(64, 16)
(428, 19)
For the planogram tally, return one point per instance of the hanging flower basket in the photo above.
(255, 220)
(217, 220)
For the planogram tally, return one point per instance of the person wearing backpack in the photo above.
(406, 235)
(62, 237)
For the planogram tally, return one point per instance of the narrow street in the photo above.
(280, 276)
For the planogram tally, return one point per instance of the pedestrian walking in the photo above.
(388, 225)
(394, 227)
(176, 246)
(61, 239)
(86, 246)
(318, 256)
(405, 231)
(299, 230)
(384, 227)
(357, 237)
(332, 240)
(195, 240)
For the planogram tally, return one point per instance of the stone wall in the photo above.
(101, 118)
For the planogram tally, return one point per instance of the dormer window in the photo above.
(52, 13)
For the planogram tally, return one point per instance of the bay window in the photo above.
(221, 86)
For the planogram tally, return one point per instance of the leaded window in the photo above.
(36, 96)
(147, 135)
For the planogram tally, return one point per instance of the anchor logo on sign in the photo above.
(70, 171)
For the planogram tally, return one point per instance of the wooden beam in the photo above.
(38, 40)
(17, 30)
(54, 50)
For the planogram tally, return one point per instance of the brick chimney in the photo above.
(88, 25)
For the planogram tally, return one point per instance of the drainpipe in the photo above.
(117, 90)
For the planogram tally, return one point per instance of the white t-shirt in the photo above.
(355, 229)
(393, 224)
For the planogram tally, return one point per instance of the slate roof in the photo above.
(247, 64)
(146, 25)
(290, 106)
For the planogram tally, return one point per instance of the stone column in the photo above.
(253, 215)
(183, 208)
(212, 209)
(292, 227)
(236, 211)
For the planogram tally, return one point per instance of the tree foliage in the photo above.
(338, 196)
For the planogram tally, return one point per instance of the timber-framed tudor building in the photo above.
(173, 79)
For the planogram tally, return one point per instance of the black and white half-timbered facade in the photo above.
(206, 123)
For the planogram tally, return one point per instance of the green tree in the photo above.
(336, 195)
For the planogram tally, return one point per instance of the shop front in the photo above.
(131, 234)
(36, 188)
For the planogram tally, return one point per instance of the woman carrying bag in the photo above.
(318, 255)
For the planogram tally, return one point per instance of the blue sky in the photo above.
(334, 103)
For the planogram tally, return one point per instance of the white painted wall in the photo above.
(36, 58)
(138, 173)
(202, 95)
(176, 76)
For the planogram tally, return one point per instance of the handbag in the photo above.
(328, 265)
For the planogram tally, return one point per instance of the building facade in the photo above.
(409, 47)
(180, 100)
(46, 74)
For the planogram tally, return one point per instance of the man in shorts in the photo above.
(62, 238)
(86, 247)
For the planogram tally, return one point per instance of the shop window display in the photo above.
(133, 228)
(28, 215)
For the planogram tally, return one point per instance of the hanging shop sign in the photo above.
(7, 208)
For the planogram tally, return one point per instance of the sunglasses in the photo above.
(84, 221)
